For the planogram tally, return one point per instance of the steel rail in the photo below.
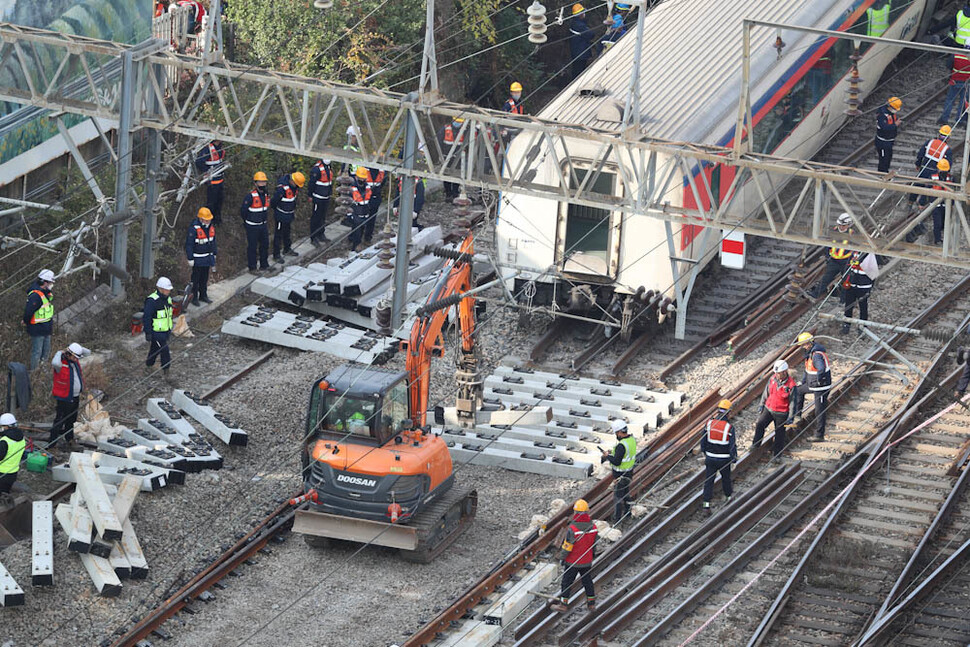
(219, 388)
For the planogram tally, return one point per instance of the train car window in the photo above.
(585, 247)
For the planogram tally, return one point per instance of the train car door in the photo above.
(587, 238)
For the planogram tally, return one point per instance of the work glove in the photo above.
(191, 263)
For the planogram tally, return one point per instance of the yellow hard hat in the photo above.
(943, 165)
(804, 337)
(361, 172)
(516, 87)
(578, 8)
(581, 506)
(260, 177)
(895, 103)
(298, 179)
(205, 214)
(724, 404)
(945, 131)
(459, 120)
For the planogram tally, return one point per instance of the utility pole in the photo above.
(404, 219)
(429, 60)
(119, 250)
(153, 164)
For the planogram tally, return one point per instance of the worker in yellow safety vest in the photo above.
(961, 26)
(878, 19)
(12, 445)
(157, 320)
(622, 459)
(39, 317)
(838, 258)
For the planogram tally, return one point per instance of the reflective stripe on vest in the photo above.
(359, 198)
(11, 462)
(878, 20)
(810, 367)
(202, 236)
(450, 136)
(963, 28)
(326, 177)
(514, 108)
(630, 456)
(215, 161)
(937, 149)
(581, 550)
(840, 253)
(374, 182)
(289, 198)
(45, 312)
(259, 205)
(719, 433)
(162, 322)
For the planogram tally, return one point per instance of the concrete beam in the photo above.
(119, 563)
(498, 440)
(98, 568)
(81, 518)
(11, 595)
(124, 499)
(603, 398)
(571, 411)
(113, 470)
(42, 544)
(80, 526)
(157, 435)
(461, 454)
(591, 442)
(136, 558)
(96, 499)
(166, 412)
(473, 633)
(508, 607)
(200, 409)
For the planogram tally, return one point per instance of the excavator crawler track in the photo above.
(440, 523)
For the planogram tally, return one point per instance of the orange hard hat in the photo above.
(298, 179)
(895, 103)
(361, 172)
(205, 214)
(581, 506)
(578, 8)
(260, 177)
(943, 165)
(724, 404)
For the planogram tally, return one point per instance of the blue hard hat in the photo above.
(617, 21)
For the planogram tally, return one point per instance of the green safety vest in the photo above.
(963, 28)
(11, 462)
(163, 317)
(45, 312)
(878, 20)
(630, 457)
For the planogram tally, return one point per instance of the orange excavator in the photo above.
(372, 472)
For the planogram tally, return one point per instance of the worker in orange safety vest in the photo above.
(720, 448)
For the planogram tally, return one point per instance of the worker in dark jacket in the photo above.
(623, 460)
(39, 317)
(376, 179)
(964, 380)
(838, 257)
(939, 212)
(613, 32)
(577, 553)
(580, 41)
(887, 127)
(12, 445)
(158, 324)
(284, 211)
(253, 212)
(211, 161)
(933, 150)
(361, 197)
(720, 448)
(320, 190)
(513, 105)
(418, 200)
(777, 406)
(200, 251)
(451, 139)
(858, 286)
(934, 173)
(817, 381)
(67, 388)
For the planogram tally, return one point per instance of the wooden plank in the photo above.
(42, 544)
(97, 501)
(98, 568)
(11, 595)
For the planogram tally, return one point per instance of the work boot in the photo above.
(817, 439)
(195, 301)
(290, 252)
(590, 605)
(846, 328)
(559, 607)
(206, 299)
(323, 239)
(315, 242)
(254, 271)
(278, 258)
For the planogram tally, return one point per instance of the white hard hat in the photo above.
(353, 130)
(781, 365)
(163, 283)
(46, 275)
(326, 161)
(618, 425)
(76, 349)
(844, 219)
(8, 420)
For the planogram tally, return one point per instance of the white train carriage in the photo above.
(690, 86)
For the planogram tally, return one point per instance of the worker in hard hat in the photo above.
(581, 41)
(513, 104)
(935, 149)
(939, 212)
(858, 285)
(451, 138)
(361, 196)
(253, 213)
(936, 165)
(817, 381)
(158, 323)
(720, 447)
(320, 190)
(777, 406)
(68, 384)
(211, 160)
(39, 317)
(200, 252)
(837, 261)
(622, 459)
(957, 90)
(284, 212)
(376, 179)
(887, 127)
(12, 446)
(353, 146)
(613, 32)
(576, 555)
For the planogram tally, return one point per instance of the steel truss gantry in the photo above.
(306, 116)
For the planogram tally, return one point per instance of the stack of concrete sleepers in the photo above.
(166, 413)
(349, 289)
(219, 425)
(306, 332)
(582, 410)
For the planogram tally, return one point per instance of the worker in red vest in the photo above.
(360, 212)
(451, 141)
(934, 150)
(68, 385)
(200, 252)
(720, 448)
(578, 551)
(195, 16)
(513, 104)
(777, 406)
(959, 76)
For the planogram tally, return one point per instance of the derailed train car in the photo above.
(691, 67)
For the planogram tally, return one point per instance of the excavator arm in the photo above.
(425, 341)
